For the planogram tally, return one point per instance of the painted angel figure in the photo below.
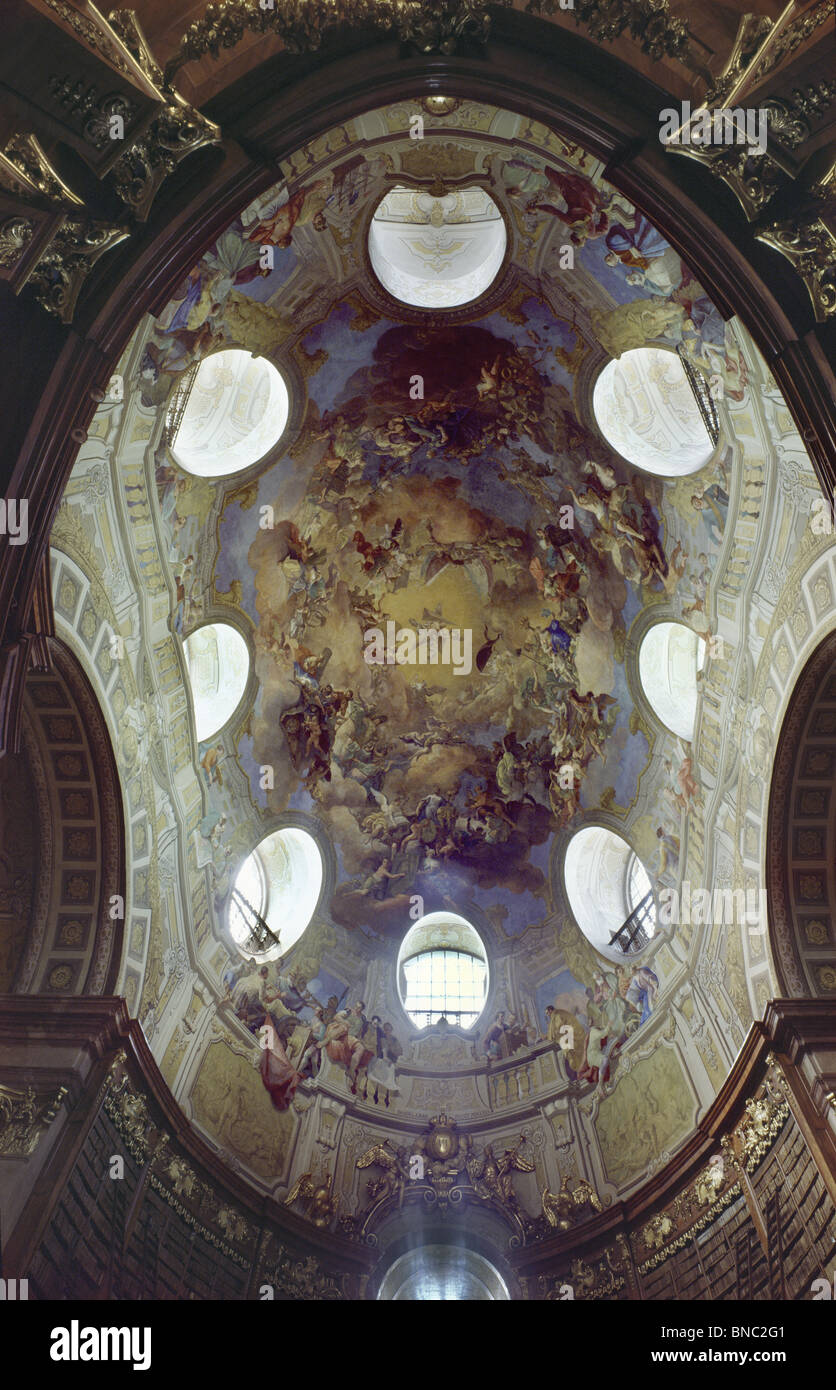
(689, 788)
(302, 207)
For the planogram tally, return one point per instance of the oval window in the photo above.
(646, 409)
(609, 892)
(218, 663)
(275, 893)
(670, 657)
(228, 415)
(443, 971)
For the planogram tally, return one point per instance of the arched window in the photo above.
(437, 252)
(609, 892)
(670, 657)
(275, 893)
(227, 415)
(647, 409)
(218, 663)
(443, 971)
(443, 1273)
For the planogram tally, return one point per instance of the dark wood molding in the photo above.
(14, 660)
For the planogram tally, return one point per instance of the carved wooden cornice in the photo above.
(770, 185)
(810, 247)
(430, 26)
(134, 135)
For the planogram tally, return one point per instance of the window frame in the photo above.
(429, 1017)
(261, 907)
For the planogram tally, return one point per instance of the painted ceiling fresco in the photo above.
(481, 501)
(440, 474)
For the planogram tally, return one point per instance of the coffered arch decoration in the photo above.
(801, 878)
(71, 875)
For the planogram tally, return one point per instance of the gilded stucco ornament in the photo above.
(490, 1175)
(751, 34)
(810, 247)
(15, 235)
(173, 1178)
(710, 1183)
(79, 240)
(316, 1197)
(657, 1231)
(394, 1171)
(805, 240)
(603, 1279)
(765, 1118)
(649, 23)
(25, 168)
(595, 1279)
(176, 131)
(304, 1279)
(696, 1207)
(91, 110)
(438, 28)
(129, 1113)
(753, 179)
(183, 1178)
(795, 31)
(432, 1168)
(24, 1117)
(93, 31)
(431, 27)
(660, 1233)
(232, 1224)
(566, 1207)
(790, 121)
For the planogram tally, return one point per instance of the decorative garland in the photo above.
(432, 26)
